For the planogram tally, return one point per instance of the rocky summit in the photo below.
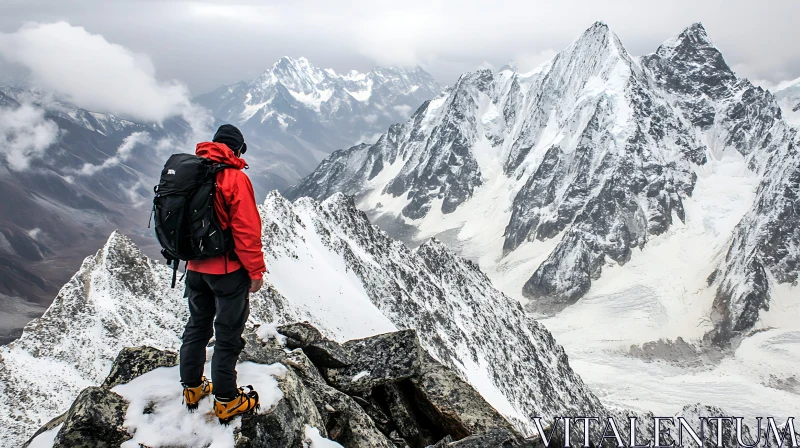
(365, 284)
(404, 398)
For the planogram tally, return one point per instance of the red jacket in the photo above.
(235, 205)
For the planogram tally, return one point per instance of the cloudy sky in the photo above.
(203, 44)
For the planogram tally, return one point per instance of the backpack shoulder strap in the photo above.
(217, 167)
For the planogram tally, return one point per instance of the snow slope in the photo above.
(789, 99)
(328, 265)
(673, 300)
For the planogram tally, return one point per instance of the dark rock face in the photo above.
(324, 352)
(708, 92)
(378, 360)
(399, 404)
(766, 241)
(260, 351)
(345, 420)
(692, 67)
(283, 426)
(136, 361)
(94, 420)
(454, 404)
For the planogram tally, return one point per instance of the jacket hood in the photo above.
(219, 152)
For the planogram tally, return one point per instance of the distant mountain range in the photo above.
(59, 209)
(99, 173)
(295, 114)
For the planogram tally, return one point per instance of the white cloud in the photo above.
(772, 86)
(25, 135)
(260, 15)
(35, 232)
(404, 109)
(93, 73)
(207, 43)
(529, 61)
(123, 153)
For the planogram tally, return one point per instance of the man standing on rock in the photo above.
(218, 288)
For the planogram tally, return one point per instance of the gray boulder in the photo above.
(322, 351)
(346, 421)
(300, 334)
(283, 426)
(261, 351)
(132, 362)
(377, 360)
(94, 421)
(453, 404)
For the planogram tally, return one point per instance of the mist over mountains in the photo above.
(70, 176)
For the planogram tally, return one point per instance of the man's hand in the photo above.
(255, 285)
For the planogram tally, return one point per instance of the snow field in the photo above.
(170, 424)
(167, 421)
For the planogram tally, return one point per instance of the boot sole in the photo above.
(227, 421)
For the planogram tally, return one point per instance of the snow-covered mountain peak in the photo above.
(587, 158)
(693, 36)
(295, 113)
(692, 65)
(297, 75)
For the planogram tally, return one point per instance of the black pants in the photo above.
(218, 304)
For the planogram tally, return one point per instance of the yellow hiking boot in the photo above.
(193, 395)
(246, 402)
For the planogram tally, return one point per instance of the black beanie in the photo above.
(231, 136)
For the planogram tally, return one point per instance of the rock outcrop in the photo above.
(390, 393)
(364, 283)
(95, 420)
(136, 361)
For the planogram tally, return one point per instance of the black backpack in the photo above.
(185, 222)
